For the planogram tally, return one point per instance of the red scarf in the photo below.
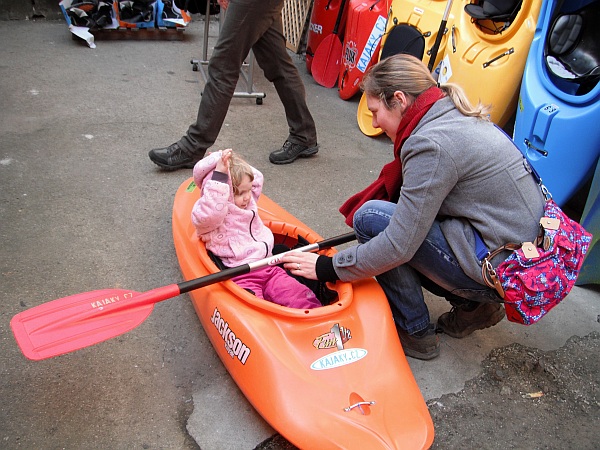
(387, 186)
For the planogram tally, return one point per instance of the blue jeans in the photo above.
(433, 267)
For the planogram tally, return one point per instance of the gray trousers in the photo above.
(256, 25)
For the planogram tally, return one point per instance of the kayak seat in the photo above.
(483, 12)
(325, 295)
(404, 38)
(573, 47)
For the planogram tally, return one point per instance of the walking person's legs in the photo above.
(245, 22)
(273, 58)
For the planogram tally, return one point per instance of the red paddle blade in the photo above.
(326, 62)
(72, 323)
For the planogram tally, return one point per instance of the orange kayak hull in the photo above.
(329, 377)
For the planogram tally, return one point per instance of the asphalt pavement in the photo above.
(83, 208)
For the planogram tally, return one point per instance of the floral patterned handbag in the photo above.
(539, 275)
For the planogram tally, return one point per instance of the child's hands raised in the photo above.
(223, 163)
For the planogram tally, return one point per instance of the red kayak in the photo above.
(365, 26)
(322, 22)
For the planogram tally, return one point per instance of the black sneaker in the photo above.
(290, 152)
(172, 158)
(423, 345)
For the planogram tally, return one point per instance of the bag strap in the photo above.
(481, 249)
(488, 272)
(536, 176)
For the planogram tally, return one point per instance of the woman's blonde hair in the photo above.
(237, 169)
(408, 74)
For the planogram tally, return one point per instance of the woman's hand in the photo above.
(301, 264)
(223, 3)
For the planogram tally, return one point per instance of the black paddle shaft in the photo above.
(232, 272)
(438, 38)
(339, 17)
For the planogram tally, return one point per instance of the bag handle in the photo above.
(489, 273)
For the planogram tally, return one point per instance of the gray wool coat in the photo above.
(465, 172)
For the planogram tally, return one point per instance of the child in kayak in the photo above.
(226, 220)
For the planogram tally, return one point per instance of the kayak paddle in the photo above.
(325, 65)
(436, 45)
(78, 321)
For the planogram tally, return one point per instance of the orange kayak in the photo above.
(328, 377)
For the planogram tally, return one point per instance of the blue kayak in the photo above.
(557, 125)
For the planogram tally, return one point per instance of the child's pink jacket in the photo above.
(237, 236)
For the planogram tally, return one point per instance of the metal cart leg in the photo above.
(246, 71)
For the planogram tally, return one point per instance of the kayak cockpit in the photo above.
(572, 50)
(333, 297)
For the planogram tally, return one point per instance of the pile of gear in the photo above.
(169, 12)
(96, 14)
(93, 14)
(136, 11)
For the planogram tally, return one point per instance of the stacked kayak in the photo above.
(556, 125)
(322, 21)
(328, 377)
(412, 28)
(486, 57)
(365, 26)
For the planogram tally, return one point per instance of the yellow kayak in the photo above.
(488, 61)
